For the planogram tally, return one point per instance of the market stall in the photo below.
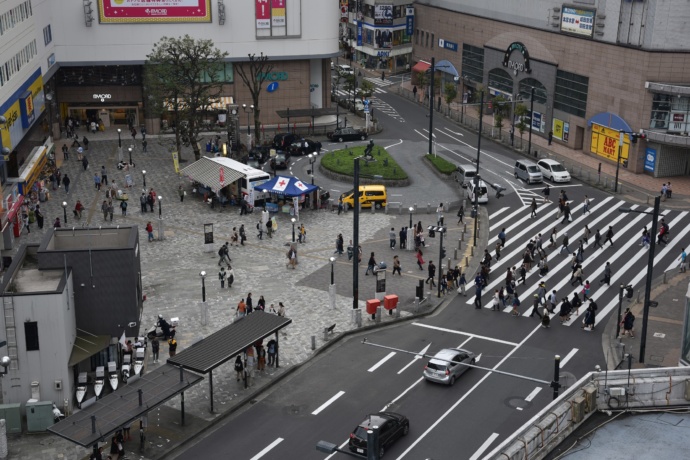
(287, 190)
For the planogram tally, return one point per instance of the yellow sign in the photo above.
(558, 129)
(11, 135)
(176, 162)
(605, 143)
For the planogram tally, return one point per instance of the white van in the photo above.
(482, 192)
(465, 174)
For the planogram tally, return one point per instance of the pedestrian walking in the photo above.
(461, 213)
(585, 206)
(431, 271)
(414, 92)
(149, 230)
(439, 213)
(250, 303)
(371, 265)
(478, 286)
(65, 182)
(552, 238)
(111, 209)
(683, 258)
(243, 234)
(391, 236)
(516, 305)
(585, 234)
(241, 309)
(577, 276)
(144, 144)
(221, 276)
(502, 237)
(546, 191)
(607, 275)
(597, 240)
(104, 209)
(97, 181)
(239, 368)
(155, 348)
(495, 301)
(462, 283)
(271, 349)
(123, 208)
(553, 300)
(580, 253)
(172, 347)
(523, 274)
(498, 251)
(104, 176)
(550, 137)
(396, 265)
(420, 260)
(403, 238)
(564, 244)
(609, 236)
(533, 207)
(231, 276)
(566, 214)
(39, 216)
(585, 290)
(181, 192)
(663, 192)
(535, 307)
(627, 323)
(142, 201)
(541, 292)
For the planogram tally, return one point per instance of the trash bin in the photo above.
(473, 213)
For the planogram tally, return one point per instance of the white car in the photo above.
(553, 170)
(344, 69)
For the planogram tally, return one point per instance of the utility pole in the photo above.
(531, 121)
(476, 177)
(431, 104)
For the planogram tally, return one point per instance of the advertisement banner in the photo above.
(566, 131)
(649, 159)
(605, 143)
(383, 39)
(577, 21)
(176, 162)
(383, 15)
(148, 11)
(278, 13)
(536, 121)
(263, 15)
(409, 21)
(359, 33)
(21, 109)
(557, 129)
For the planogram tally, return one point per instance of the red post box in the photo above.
(390, 301)
(372, 305)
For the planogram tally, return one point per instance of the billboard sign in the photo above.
(605, 142)
(578, 21)
(150, 11)
(383, 14)
(649, 159)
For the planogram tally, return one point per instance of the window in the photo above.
(472, 63)
(416, 37)
(427, 39)
(225, 75)
(526, 86)
(12, 18)
(47, 35)
(432, 41)
(31, 334)
(571, 93)
(501, 80)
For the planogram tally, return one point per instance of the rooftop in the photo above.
(28, 278)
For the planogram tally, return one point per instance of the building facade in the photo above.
(598, 69)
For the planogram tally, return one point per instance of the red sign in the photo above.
(222, 177)
(678, 117)
(147, 11)
(263, 14)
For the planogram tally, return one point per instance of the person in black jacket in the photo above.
(432, 273)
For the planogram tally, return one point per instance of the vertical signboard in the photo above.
(278, 13)
(557, 129)
(409, 21)
(263, 15)
(649, 159)
(360, 31)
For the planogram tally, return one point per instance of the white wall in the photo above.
(130, 43)
(56, 334)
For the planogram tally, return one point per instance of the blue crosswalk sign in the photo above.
(366, 105)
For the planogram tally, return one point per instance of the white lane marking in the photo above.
(507, 218)
(500, 211)
(642, 273)
(533, 394)
(469, 392)
(450, 131)
(267, 449)
(519, 408)
(490, 339)
(385, 408)
(568, 357)
(416, 358)
(328, 403)
(484, 446)
(477, 358)
(463, 343)
(380, 363)
(393, 145)
(555, 185)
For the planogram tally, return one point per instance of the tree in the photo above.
(450, 91)
(422, 79)
(254, 75)
(500, 110)
(521, 112)
(367, 88)
(183, 75)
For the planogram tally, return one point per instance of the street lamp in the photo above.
(202, 274)
(119, 139)
(293, 229)
(49, 98)
(160, 212)
(650, 269)
(312, 160)
(130, 155)
(248, 110)
(411, 209)
(143, 173)
(64, 210)
(476, 177)
(431, 105)
(332, 259)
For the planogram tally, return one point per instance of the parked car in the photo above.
(260, 154)
(304, 147)
(344, 69)
(528, 171)
(347, 134)
(281, 160)
(447, 365)
(553, 170)
(392, 426)
(282, 141)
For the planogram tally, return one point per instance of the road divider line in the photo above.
(568, 357)
(416, 358)
(495, 225)
(500, 211)
(475, 336)
(380, 363)
(484, 446)
(533, 394)
(328, 403)
(267, 449)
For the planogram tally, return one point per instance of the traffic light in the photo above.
(628, 291)
(443, 252)
(635, 136)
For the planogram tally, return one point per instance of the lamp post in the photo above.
(119, 145)
(332, 259)
(411, 209)
(248, 110)
(531, 122)
(160, 211)
(293, 229)
(202, 274)
(143, 173)
(64, 211)
(49, 98)
(130, 155)
(650, 269)
(431, 106)
(621, 139)
(476, 177)
(312, 160)
(355, 243)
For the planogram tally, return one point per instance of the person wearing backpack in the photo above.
(239, 368)
(221, 276)
(628, 320)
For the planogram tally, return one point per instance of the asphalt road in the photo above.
(330, 395)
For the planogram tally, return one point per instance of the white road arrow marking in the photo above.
(415, 359)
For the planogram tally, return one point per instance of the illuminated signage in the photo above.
(577, 21)
(148, 11)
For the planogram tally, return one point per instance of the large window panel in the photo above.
(501, 80)
(526, 86)
(472, 63)
(571, 93)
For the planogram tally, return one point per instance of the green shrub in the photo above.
(441, 164)
(342, 162)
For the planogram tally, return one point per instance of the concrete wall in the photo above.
(55, 315)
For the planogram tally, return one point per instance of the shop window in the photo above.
(225, 74)
(427, 39)
(432, 41)
(472, 63)
(501, 80)
(571, 93)
(661, 110)
(526, 86)
(416, 37)
(31, 335)
(47, 35)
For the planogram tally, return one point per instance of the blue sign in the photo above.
(448, 45)
(536, 121)
(409, 26)
(366, 105)
(359, 33)
(649, 159)
(272, 87)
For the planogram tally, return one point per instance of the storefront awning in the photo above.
(207, 171)
(447, 67)
(421, 66)
(610, 120)
(85, 346)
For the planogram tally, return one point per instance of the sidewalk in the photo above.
(170, 277)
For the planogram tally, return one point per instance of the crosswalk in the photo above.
(341, 92)
(627, 258)
(379, 82)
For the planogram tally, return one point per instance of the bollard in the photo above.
(358, 317)
(462, 237)
(467, 262)
(464, 229)
(416, 305)
(397, 312)
(664, 280)
(400, 208)
(460, 243)
(415, 208)
(449, 263)
(378, 314)
(313, 339)
(472, 251)
(455, 254)
(385, 209)
(428, 208)
(373, 208)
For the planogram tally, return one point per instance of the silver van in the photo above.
(465, 173)
(528, 171)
